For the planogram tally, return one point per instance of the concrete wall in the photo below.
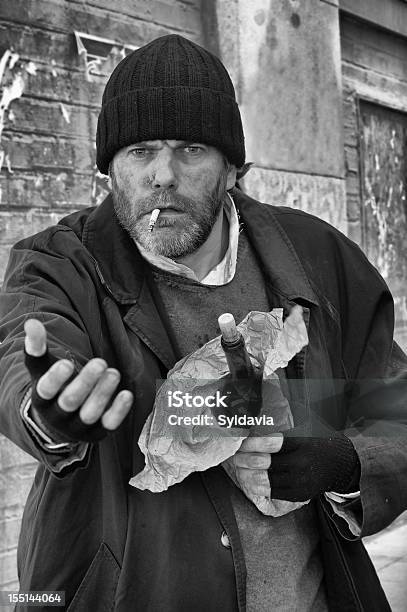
(285, 59)
(47, 143)
(48, 137)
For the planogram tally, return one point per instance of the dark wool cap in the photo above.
(170, 89)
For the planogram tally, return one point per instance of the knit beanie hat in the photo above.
(170, 89)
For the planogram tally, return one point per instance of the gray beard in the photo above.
(202, 215)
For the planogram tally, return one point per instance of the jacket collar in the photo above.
(124, 274)
(277, 255)
(119, 263)
(122, 268)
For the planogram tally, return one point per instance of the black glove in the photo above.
(308, 466)
(60, 425)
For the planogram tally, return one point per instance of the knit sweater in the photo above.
(193, 308)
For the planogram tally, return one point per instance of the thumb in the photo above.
(35, 338)
(36, 356)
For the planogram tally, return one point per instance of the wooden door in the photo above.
(383, 159)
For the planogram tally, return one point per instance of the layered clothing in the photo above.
(110, 546)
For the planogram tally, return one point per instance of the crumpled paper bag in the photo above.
(172, 452)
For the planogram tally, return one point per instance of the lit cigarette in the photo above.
(153, 219)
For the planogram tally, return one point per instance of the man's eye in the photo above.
(139, 152)
(193, 149)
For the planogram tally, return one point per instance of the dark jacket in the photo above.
(110, 546)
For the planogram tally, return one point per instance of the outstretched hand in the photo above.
(72, 407)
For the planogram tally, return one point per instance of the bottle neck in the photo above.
(238, 358)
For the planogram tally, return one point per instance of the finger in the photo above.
(100, 396)
(73, 396)
(253, 461)
(117, 412)
(266, 444)
(255, 482)
(55, 377)
(35, 341)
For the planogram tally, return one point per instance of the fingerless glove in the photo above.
(308, 466)
(60, 425)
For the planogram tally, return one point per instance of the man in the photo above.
(104, 308)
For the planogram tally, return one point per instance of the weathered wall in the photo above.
(50, 147)
(285, 58)
(374, 68)
(47, 142)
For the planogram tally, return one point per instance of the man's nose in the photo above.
(164, 176)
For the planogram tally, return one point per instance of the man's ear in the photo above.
(109, 176)
(231, 178)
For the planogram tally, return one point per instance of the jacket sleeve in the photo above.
(376, 369)
(42, 284)
(358, 323)
(378, 416)
(377, 409)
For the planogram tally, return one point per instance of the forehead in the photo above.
(163, 143)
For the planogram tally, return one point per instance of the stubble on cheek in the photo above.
(172, 237)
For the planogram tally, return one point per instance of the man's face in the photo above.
(186, 181)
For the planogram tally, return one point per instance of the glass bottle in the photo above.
(244, 383)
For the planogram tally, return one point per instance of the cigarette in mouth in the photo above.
(153, 219)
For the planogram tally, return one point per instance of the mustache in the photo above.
(163, 199)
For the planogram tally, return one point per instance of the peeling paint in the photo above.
(11, 91)
(393, 133)
(8, 163)
(295, 4)
(53, 69)
(7, 58)
(65, 113)
(384, 162)
(31, 68)
(13, 59)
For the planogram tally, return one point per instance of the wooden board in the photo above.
(383, 151)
